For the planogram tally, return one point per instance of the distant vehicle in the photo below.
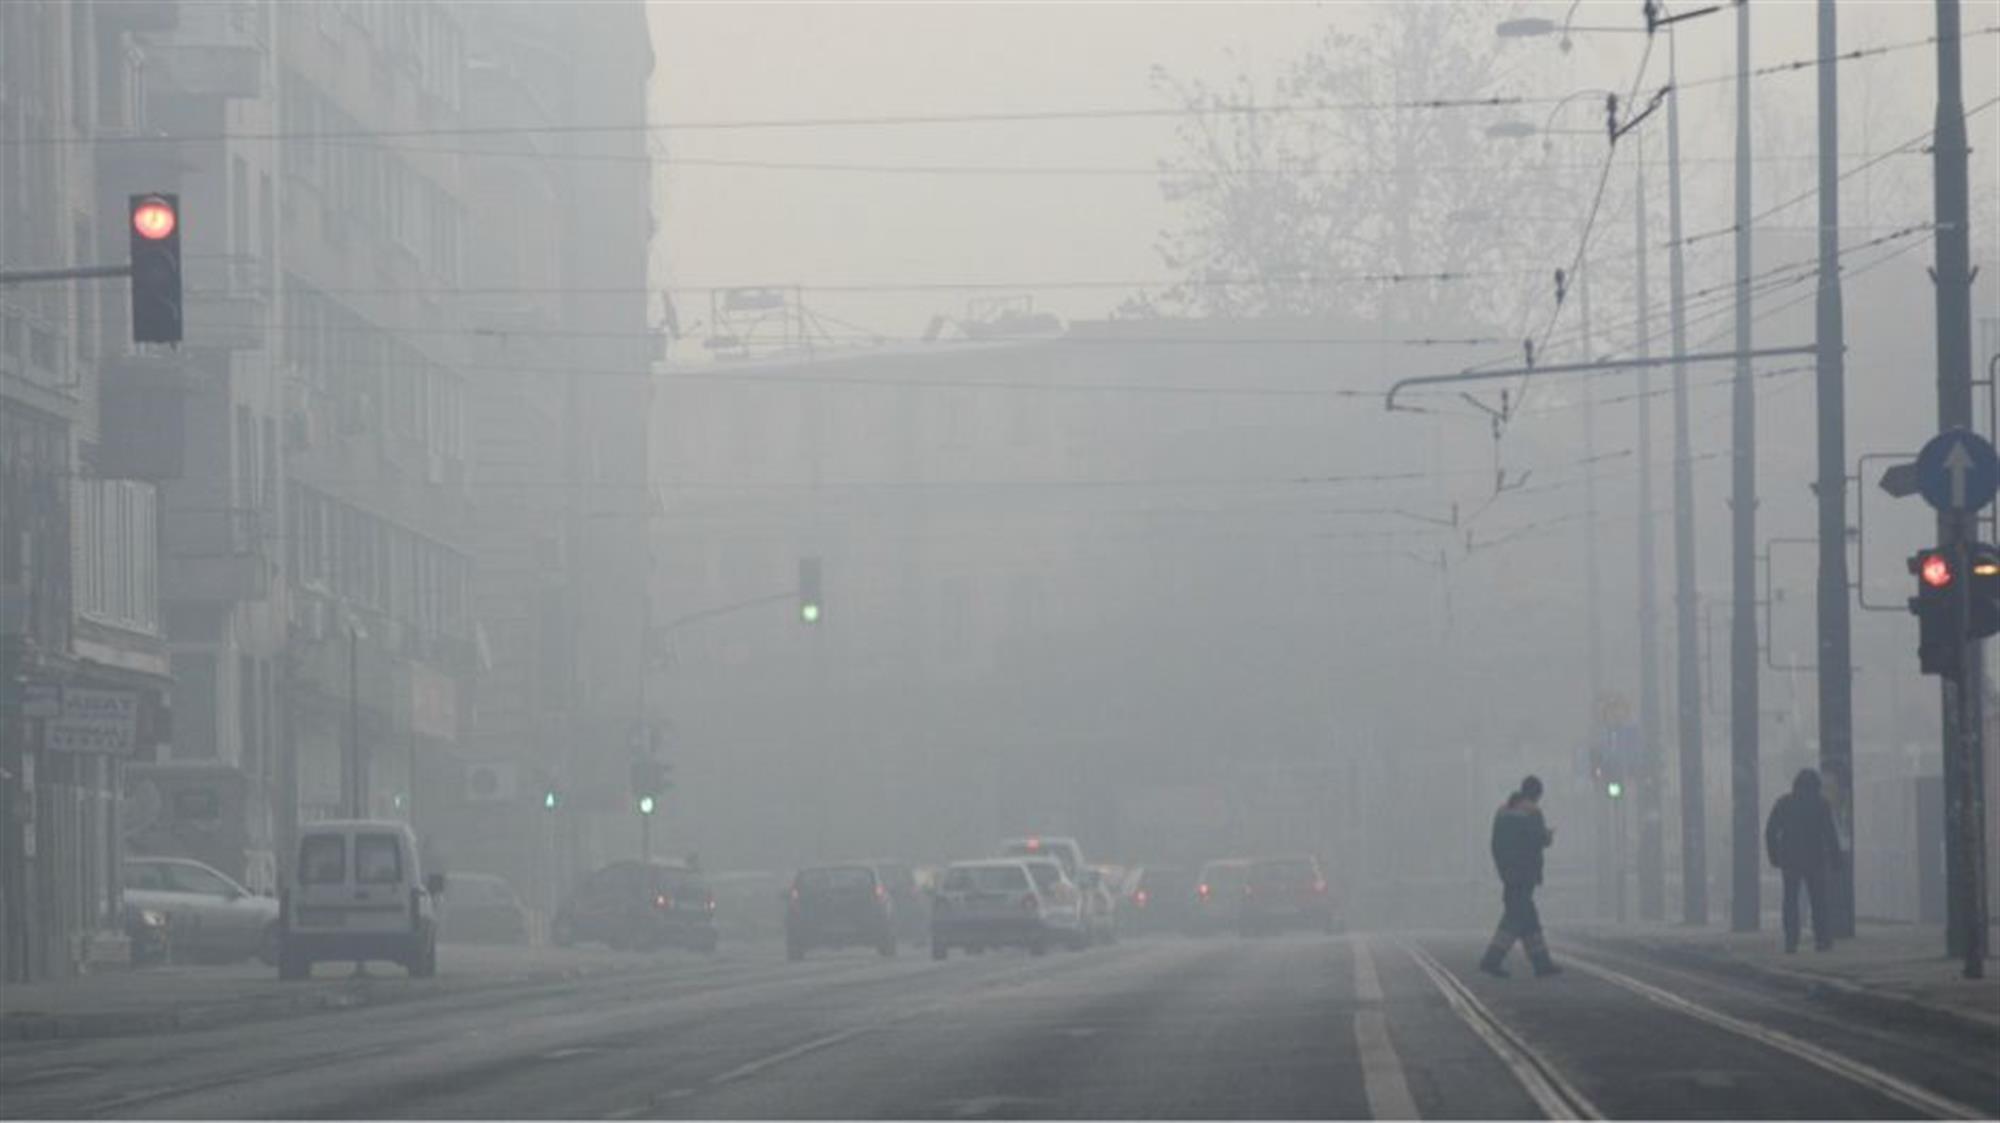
(839, 907)
(359, 894)
(1064, 850)
(1289, 892)
(1100, 906)
(997, 902)
(1157, 899)
(639, 906)
(907, 898)
(1218, 897)
(1063, 906)
(483, 909)
(209, 915)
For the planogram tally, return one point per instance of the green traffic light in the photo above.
(549, 800)
(809, 613)
(645, 805)
(1614, 789)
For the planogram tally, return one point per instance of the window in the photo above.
(378, 859)
(194, 879)
(145, 875)
(985, 879)
(322, 860)
(197, 805)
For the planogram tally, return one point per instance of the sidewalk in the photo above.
(1894, 969)
(167, 999)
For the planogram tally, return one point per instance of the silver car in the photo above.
(210, 916)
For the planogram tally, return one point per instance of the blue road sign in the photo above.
(1958, 471)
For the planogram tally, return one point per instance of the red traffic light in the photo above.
(154, 219)
(1935, 571)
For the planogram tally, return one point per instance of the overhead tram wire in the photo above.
(995, 117)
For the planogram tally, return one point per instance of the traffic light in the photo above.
(1938, 640)
(1615, 789)
(1984, 612)
(649, 782)
(809, 589)
(155, 228)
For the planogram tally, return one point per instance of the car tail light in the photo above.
(1029, 903)
(709, 903)
(662, 901)
(1202, 890)
(881, 894)
(1140, 898)
(1319, 886)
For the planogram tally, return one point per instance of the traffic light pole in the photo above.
(1746, 840)
(1836, 671)
(1965, 818)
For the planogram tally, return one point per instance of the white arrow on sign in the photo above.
(1958, 462)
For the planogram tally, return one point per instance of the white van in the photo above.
(358, 893)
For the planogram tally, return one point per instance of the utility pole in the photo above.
(1965, 818)
(1694, 820)
(1746, 845)
(1836, 671)
(1652, 877)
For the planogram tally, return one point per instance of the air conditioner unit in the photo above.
(492, 783)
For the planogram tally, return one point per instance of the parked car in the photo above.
(906, 897)
(998, 902)
(1065, 850)
(146, 932)
(1289, 892)
(1218, 897)
(838, 907)
(639, 906)
(1158, 899)
(1100, 906)
(211, 916)
(483, 909)
(359, 893)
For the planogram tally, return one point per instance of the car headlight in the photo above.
(150, 918)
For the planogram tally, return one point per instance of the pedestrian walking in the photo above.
(1520, 835)
(1802, 840)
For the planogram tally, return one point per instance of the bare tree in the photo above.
(1356, 190)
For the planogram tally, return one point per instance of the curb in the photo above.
(1821, 988)
(341, 994)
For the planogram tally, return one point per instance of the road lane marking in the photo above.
(1555, 1095)
(1367, 984)
(778, 1058)
(1382, 1077)
(1930, 1104)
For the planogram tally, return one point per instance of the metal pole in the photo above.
(1836, 671)
(356, 796)
(1746, 840)
(1651, 867)
(1965, 921)
(1694, 820)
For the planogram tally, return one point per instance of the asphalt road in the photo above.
(1297, 1027)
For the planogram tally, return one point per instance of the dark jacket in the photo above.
(1800, 836)
(1519, 837)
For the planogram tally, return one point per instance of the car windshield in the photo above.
(985, 879)
(1291, 873)
(842, 879)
